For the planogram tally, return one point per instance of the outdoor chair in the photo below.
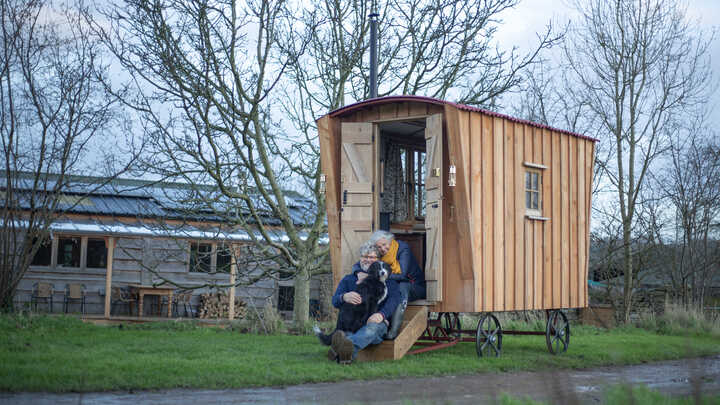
(75, 293)
(122, 296)
(42, 291)
(181, 298)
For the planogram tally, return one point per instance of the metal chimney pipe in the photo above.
(373, 54)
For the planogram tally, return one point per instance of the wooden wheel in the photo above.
(557, 332)
(488, 340)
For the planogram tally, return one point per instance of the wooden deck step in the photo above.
(414, 323)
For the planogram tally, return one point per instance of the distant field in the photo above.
(60, 354)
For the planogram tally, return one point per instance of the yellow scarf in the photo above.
(391, 257)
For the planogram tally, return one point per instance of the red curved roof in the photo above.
(429, 100)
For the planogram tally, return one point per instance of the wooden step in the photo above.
(414, 324)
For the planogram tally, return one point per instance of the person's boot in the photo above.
(342, 347)
(396, 321)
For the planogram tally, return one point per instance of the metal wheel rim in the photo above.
(557, 333)
(451, 323)
(488, 339)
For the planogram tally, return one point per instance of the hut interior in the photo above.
(402, 196)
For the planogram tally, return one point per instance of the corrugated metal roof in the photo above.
(149, 199)
(144, 229)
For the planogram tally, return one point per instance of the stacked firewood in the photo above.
(216, 305)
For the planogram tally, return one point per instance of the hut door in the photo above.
(356, 177)
(433, 208)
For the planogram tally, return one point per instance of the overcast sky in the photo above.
(521, 24)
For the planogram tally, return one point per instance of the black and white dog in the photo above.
(373, 291)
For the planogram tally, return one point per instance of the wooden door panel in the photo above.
(433, 207)
(356, 189)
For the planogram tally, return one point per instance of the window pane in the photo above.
(285, 298)
(528, 199)
(68, 254)
(534, 181)
(96, 253)
(527, 181)
(200, 257)
(420, 191)
(43, 255)
(535, 196)
(224, 260)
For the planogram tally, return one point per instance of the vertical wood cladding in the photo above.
(523, 262)
(496, 257)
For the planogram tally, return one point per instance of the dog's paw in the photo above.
(316, 330)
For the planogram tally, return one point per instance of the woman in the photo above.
(405, 270)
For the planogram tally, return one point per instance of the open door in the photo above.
(356, 188)
(433, 209)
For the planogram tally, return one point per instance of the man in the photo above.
(345, 346)
(405, 270)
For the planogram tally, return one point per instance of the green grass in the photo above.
(61, 354)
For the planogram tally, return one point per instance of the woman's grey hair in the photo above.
(377, 235)
(367, 248)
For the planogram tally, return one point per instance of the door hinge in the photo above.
(372, 226)
(372, 187)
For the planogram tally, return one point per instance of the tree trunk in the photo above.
(301, 300)
(6, 300)
(628, 268)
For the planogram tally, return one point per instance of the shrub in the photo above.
(266, 321)
(678, 319)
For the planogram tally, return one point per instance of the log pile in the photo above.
(215, 305)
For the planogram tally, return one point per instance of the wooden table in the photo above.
(143, 290)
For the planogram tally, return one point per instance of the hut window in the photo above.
(533, 197)
(403, 185)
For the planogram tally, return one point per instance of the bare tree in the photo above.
(212, 80)
(203, 76)
(640, 66)
(52, 108)
(691, 183)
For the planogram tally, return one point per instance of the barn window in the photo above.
(286, 294)
(68, 253)
(44, 253)
(201, 257)
(224, 259)
(533, 196)
(96, 253)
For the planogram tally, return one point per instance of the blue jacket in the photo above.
(410, 268)
(349, 283)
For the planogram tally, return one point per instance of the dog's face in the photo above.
(379, 270)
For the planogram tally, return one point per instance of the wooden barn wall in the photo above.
(169, 257)
(522, 263)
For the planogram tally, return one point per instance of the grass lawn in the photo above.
(60, 354)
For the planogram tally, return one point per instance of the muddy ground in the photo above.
(679, 378)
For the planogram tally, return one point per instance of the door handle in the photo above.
(344, 197)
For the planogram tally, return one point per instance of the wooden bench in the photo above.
(414, 324)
